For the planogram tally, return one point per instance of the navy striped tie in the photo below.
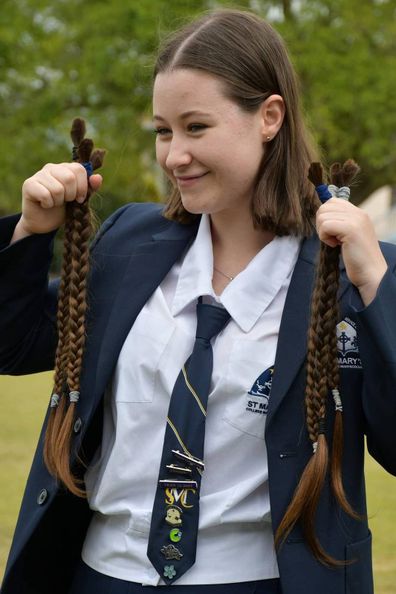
(174, 524)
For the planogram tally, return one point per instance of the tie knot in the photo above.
(210, 320)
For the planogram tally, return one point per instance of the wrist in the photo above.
(368, 290)
(20, 232)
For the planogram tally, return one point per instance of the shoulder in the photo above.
(133, 224)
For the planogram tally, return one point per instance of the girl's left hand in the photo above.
(338, 222)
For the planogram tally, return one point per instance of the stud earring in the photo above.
(268, 138)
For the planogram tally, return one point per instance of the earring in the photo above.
(268, 138)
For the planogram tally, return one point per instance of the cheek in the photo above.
(161, 154)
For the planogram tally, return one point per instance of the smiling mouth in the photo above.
(189, 181)
(190, 177)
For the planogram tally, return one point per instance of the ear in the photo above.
(272, 115)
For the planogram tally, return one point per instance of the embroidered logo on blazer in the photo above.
(347, 345)
(259, 393)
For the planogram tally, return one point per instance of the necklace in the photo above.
(230, 278)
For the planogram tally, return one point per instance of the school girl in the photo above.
(240, 471)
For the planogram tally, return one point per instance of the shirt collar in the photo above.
(195, 276)
(251, 292)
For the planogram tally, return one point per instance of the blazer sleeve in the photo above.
(377, 346)
(28, 300)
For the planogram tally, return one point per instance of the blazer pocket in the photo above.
(359, 578)
(140, 358)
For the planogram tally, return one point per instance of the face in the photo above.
(208, 147)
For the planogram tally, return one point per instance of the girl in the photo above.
(120, 498)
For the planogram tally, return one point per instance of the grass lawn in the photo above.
(23, 402)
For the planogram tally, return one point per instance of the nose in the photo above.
(178, 155)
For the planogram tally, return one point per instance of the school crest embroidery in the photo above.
(259, 393)
(347, 345)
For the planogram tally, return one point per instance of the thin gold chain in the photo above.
(230, 278)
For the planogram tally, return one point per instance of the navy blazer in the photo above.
(132, 253)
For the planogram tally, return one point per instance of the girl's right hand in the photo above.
(45, 194)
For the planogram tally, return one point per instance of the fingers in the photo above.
(339, 222)
(95, 181)
(55, 184)
(73, 178)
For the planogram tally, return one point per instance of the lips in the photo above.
(189, 177)
(189, 181)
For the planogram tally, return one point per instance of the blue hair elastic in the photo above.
(323, 192)
(88, 168)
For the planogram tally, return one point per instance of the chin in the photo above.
(195, 208)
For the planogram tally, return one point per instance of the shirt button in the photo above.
(77, 425)
(42, 496)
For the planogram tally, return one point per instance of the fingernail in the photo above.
(81, 199)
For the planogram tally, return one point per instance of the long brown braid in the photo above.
(322, 379)
(72, 308)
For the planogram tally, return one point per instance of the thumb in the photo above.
(95, 181)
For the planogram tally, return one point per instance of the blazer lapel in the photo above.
(147, 266)
(292, 340)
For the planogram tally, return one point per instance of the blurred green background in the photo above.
(93, 58)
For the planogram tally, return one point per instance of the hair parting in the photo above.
(72, 309)
(322, 380)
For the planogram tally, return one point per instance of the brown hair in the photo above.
(322, 379)
(72, 307)
(250, 59)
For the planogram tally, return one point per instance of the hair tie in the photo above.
(344, 192)
(321, 431)
(321, 426)
(337, 399)
(88, 168)
(74, 396)
(322, 191)
(54, 400)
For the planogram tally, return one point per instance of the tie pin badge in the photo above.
(178, 484)
(179, 469)
(175, 535)
(192, 460)
(171, 552)
(169, 571)
(174, 517)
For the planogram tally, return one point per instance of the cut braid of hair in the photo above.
(322, 378)
(61, 357)
(72, 308)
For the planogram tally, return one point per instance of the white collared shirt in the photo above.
(235, 542)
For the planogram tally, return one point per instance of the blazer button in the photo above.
(42, 496)
(77, 425)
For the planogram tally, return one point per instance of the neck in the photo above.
(235, 241)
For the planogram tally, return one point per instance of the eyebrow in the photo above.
(184, 115)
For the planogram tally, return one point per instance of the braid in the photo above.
(57, 410)
(322, 377)
(72, 308)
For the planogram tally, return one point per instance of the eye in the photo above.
(196, 127)
(161, 131)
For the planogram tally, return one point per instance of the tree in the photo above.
(94, 59)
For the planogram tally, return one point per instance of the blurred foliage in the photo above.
(94, 59)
